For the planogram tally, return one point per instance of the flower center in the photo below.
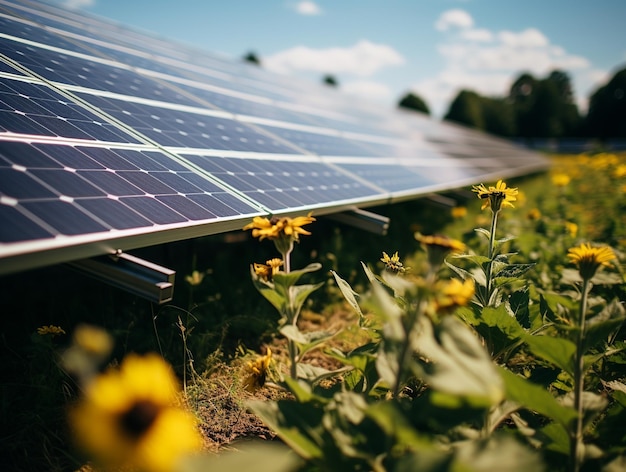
(139, 418)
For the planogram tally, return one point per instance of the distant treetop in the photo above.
(413, 102)
(252, 57)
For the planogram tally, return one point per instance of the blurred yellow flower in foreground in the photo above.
(453, 293)
(496, 197)
(589, 259)
(257, 372)
(130, 418)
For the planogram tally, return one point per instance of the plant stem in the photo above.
(291, 318)
(490, 253)
(576, 436)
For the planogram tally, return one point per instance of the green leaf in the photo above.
(457, 363)
(554, 437)
(560, 352)
(314, 374)
(297, 424)
(288, 279)
(349, 294)
(305, 341)
(512, 271)
(605, 324)
(474, 258)
(500, 330)
(258, 456)
(518, 303)
(268, 290)
(484, 232)
(536, 398)
(462, 273)
(394, 423)
(497, 453)
(299, 294)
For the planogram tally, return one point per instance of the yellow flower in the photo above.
(263, 228)
(589, 259)
(257, 372)
(571, 228)
(441, 242)
(195, 278)
(269, 269)
(93, 340)
(293, 227)
(438, 247)
(496, 197)
(453, 293)
(534, 214)
(130, 418)
(51, 330)
(620, 171)
(279, 227)
(393, 264)
(560, 180)
(458, 212)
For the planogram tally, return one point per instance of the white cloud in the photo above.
(530, 37)
(363, 59)
(478, 35)
(453, 19)
(306, 7)
(488, 61)
(77, 4)
(370, 90)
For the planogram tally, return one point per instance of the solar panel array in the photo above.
(113, 139)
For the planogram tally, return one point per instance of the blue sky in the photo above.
(381, 49)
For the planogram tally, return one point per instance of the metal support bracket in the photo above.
(130, 273)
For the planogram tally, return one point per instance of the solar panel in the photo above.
(112, 139)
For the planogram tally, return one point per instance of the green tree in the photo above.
(498, 117)
(544, 108)
(330, 80)
(412, 101)
(252, 58)
(606, 117)
(466, 109)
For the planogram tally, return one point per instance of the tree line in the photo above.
(534, 108)
(539, 108)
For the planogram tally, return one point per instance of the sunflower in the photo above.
(589, 259)
(257, 372)
(496, 197)
(130, 418)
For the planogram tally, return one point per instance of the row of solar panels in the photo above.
(111, 139)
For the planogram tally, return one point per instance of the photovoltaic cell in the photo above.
(113, 139)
